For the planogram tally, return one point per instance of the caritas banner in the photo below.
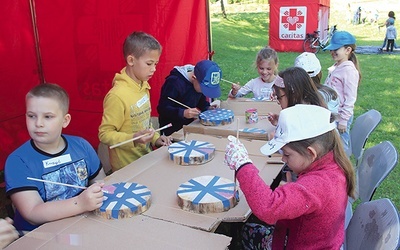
(292, 23)
(291, 20)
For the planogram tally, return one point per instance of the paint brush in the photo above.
(138, 137)
(183, 105)
(56, 183)
(228, 81)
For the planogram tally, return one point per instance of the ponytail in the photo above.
(354, 59)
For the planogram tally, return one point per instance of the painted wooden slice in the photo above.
(207, 194)
(123, 200)
(191, 152)
(216, 117)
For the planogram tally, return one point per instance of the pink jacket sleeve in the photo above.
(285, 202)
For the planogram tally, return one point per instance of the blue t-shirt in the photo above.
(76, 164)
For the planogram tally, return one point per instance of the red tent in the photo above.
(291, 20)
(78, 45)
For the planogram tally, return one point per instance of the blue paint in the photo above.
(210, 189)
(128, 193)
(183, 146)
(254, 130)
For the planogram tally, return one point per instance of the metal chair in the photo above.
(376, 164)
(374, 225)
(360, 131)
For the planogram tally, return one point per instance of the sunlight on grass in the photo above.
(237, 39)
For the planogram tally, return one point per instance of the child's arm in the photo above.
(36, 211)
(242, 91)
(234, 90)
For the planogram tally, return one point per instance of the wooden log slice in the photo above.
(191, 153)
(207, 194)
(216, 117)
(125, 200)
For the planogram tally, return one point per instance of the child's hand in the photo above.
(215, 104)
(235, 154)
(163, 141)
(342, 128)
(149, 134)
(273, 118)
(7, 232)
(191, 113)
(91, 198)
(235, 88)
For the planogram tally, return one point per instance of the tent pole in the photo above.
(210, 51)
(36, 36)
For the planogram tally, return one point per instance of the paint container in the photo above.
(251, 116)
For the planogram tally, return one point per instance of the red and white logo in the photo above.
(292, 23)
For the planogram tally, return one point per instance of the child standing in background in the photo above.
(127, 107)
(267, 65)
(51, 156)
(344, 77)
(391, 36)
(391, 19)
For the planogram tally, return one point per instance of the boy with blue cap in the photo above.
(344, 77)
(189, 85)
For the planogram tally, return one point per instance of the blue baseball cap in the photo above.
(340, 39)
(209, 75)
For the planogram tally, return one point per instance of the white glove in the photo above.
(236, 154)
(216, 104)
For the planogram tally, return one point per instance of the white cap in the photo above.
(309, 62)
(300, 122)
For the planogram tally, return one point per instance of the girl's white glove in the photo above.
(236, 154)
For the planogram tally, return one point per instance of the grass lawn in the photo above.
(237, 39)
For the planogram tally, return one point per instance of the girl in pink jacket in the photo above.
(308, 213)
(344, 77)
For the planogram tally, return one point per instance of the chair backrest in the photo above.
(360, 131)
(374, 225)
(376, 164)
(348, 214)
(103, 153)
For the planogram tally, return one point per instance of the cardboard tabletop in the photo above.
(163, 177)
(164, 225)
(139, 232)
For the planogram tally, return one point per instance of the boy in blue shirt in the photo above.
(51, 156)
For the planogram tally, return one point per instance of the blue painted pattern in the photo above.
(204, 148)
(217, 116)
(254, 130)
(212, 188)
(129, 191)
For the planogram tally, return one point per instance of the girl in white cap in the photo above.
(308, 213)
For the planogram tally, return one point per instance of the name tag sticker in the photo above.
(142, 101)
(57, 161)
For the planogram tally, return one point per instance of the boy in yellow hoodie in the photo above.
(127, 105)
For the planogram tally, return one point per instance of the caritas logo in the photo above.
(292, 23)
